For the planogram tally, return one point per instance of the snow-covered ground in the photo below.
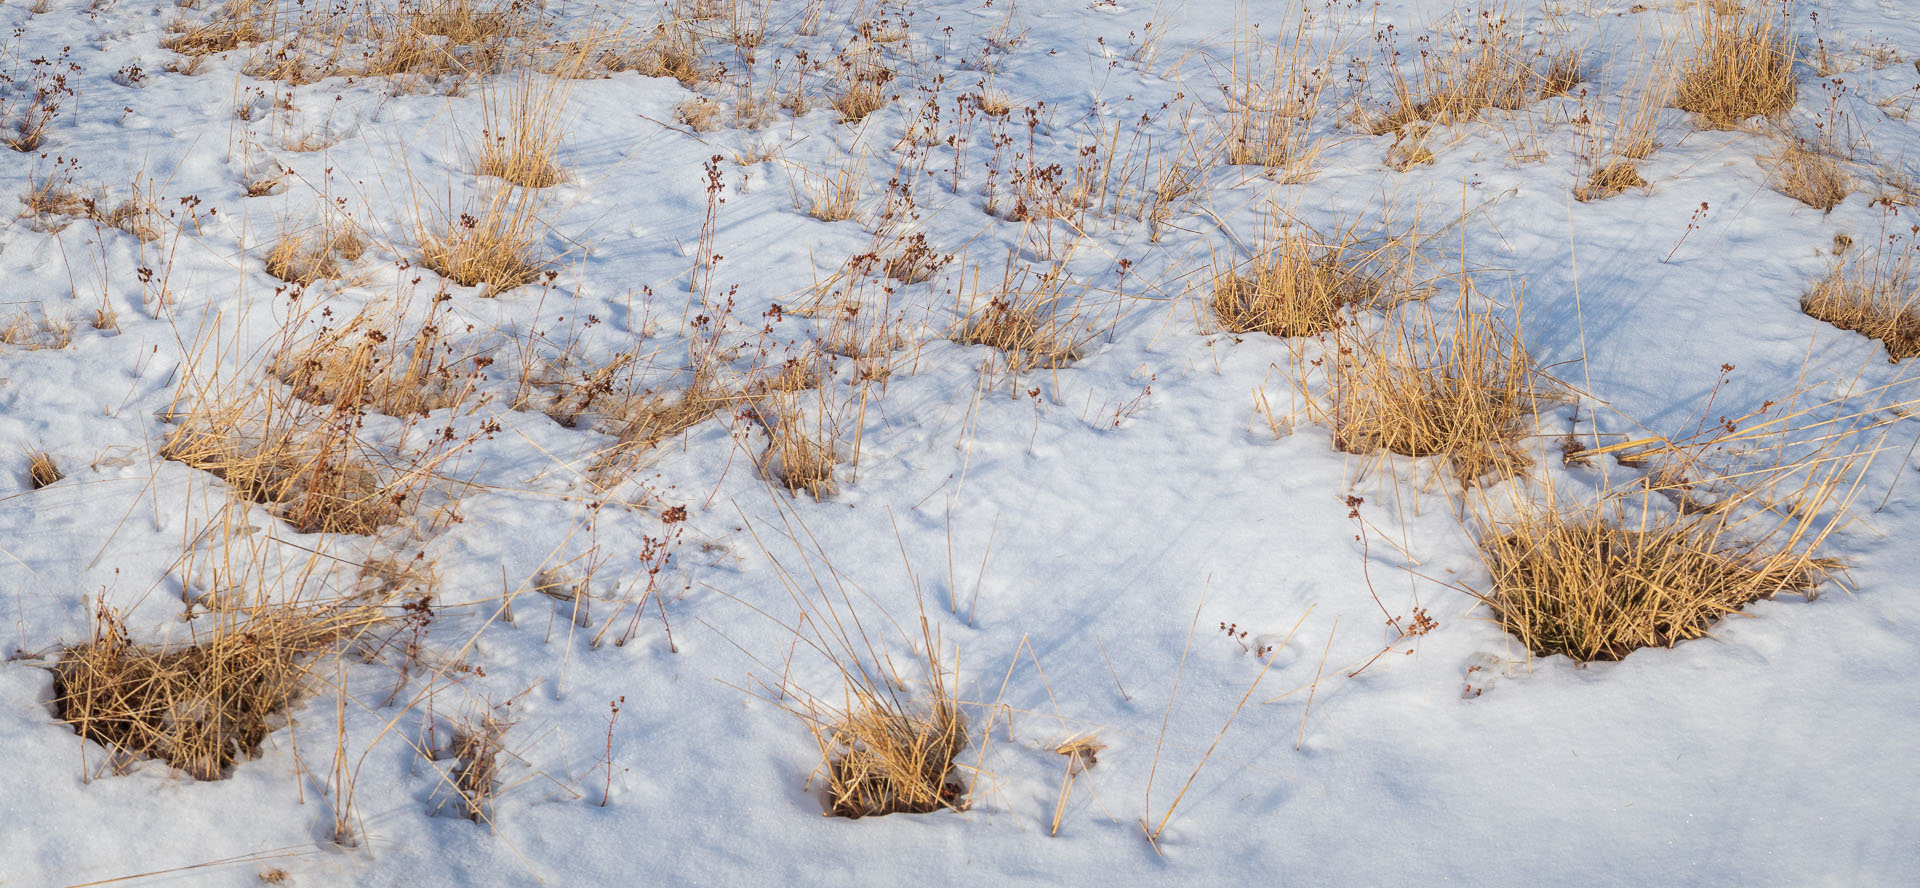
(1077, 537)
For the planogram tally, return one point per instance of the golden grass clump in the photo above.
(306, 462)
(800, 453)
(1742, 65)
(1032, 317)
(236, 25)
(366, 364)
(671, 49)
(1597, 587)
(1299, 285)
(1480, 68)
(475, 779)
(1809, 177)
(1273, 96)
(1613, 179)
(1463, 393)
(200, 707)
(1562, 73)
(47, 201)
(1873, 294)
(700, 114)
(863, 80)
(495, 249)
(607, 397)
(41, 469)
(522, 131)
(304, 257)
(830, 196)
(914, 261)
(1734, 512)
(436, 38)
(887, 758)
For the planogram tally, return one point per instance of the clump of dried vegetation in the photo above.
(1596, 585)
(203, 706)
(50, 203)
(1273, 97)
(309, 463)
(1301, 284)
(41, 469)
(35, 331)
(1613, 179)
(1462, 390)
(1732, 514)
(883, 749)
(609, 396)
(1482, 66)
(498, 248)
(1874, 294)
(365, 364)
(238, 23)
(1810, 177)
(801, 453)
(475, 778)
(886, 757)
(1034, 316)
(522, 126)
(862, 82)
(1742, 66)
(305, 255)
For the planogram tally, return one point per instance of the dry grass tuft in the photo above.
(1874, 294)
(1273, 97)
(831, 196)
(1032, 317)
(912, 261)
(306, 462)
(1742, 65)
(47, 201)
(671, 49)
(1299, 285)
(201, 707)
(863, 79)
(800, 454)
(41, 470)
(1598, 586)
(700, 114)
(640, 420)
(886, 758)
(1809, 177)
(476, 772)
(1463, 393)
(522, 126)
(236, 25)
(1563, 72)
(495, 249)
(365, 364)
(304, 256)
(1482, 67)
(1612, 179)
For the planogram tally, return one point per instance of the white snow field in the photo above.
(837, 370)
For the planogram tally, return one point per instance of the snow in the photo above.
(1073, 536)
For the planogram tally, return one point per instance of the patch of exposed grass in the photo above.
(1613, 179)
(495, 248)
(1810, 177)
(200, 707)
(1299, 285)
(1742, 66)
(1462, 390)
(1874, 294)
